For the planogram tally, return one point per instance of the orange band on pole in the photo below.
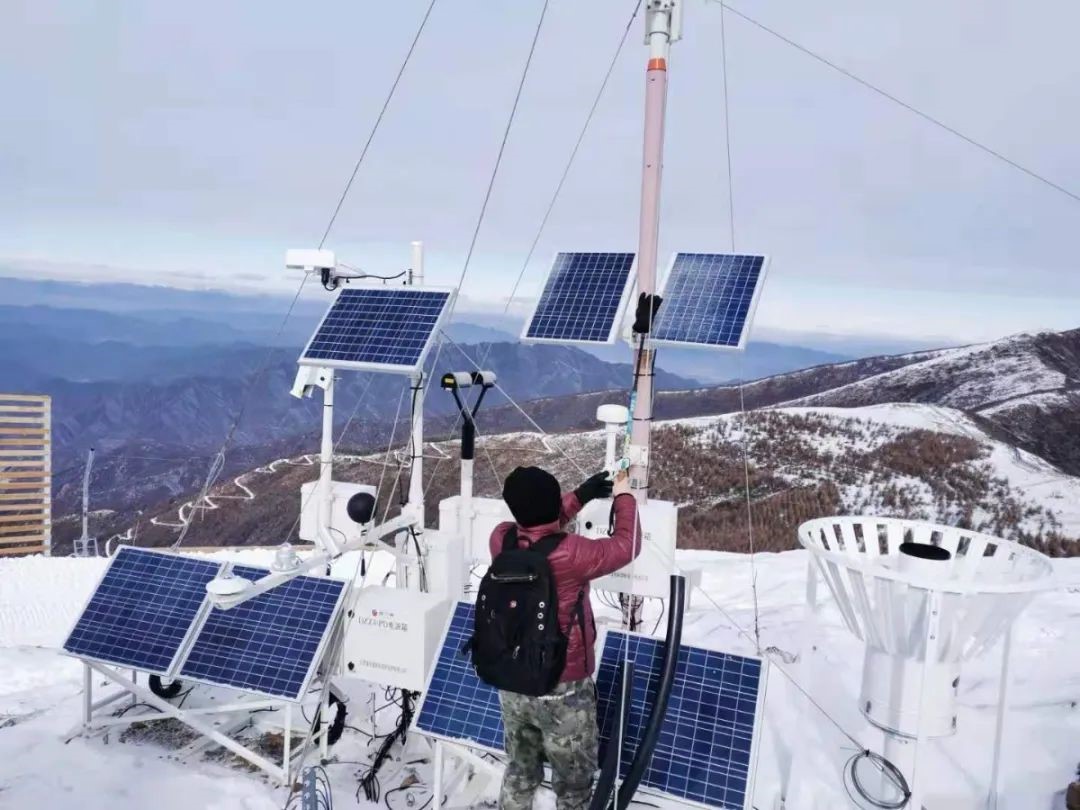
(657, 64)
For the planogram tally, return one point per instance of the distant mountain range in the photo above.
(1010, 396)
(153, 377)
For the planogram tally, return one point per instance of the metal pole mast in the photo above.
(82, 545)
(415, 503)
(86, 494)
(662, 24)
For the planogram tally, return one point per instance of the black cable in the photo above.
(502, 147)
(727, 130)
(364, 274)
(369, 782)
(604, 790)
(158, 687)
(417, 786)
(570, 160)
(337, 725)
(651, 732)
(925, 116)
(663, 608)
(378, 121)
(887, 768)
(131, 706)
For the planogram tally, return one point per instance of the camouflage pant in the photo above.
(561, 728)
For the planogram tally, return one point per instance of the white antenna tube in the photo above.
(415, 503)
(326, 466)
(86, 494)
(661, 22)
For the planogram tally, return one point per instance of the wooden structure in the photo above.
(25, 474)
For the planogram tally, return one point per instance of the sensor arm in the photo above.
(222, 598)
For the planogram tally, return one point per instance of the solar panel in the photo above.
(709, 299)
(583, 299)
(457, 705)
(706, 745)
(378, 329)
(269, 644)
(142, 610)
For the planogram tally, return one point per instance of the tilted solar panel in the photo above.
(583, 299)
(709, 299)
(142, 610)
(271, 643)
(457, 705)
(705, 751)
(378, 329)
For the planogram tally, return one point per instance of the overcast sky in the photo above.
(190, 143)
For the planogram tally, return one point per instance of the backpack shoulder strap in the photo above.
(547, 544)
(510, 539)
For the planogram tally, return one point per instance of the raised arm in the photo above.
(596, 486)
(596, 558)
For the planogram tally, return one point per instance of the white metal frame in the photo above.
(847, 554)
(744, 337)
(193, 718)
(385, 368)
(325, 659)
(617, 321)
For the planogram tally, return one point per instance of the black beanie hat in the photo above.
(533, 495)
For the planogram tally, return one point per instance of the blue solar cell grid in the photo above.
(380, 328)
(708, 300)
(583, 299)
(706, 746)
(142, 610)
(269, 644)
(457, 705)
(705, 749)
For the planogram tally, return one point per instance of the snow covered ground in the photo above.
(43, 766)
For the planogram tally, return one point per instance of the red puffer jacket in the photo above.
(576, 562)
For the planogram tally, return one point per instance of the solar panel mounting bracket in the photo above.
(308, 378)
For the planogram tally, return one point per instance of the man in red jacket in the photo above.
(561, 726)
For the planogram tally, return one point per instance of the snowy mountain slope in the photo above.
(1024, 390)
(915, 461)
(906, 460)
(40, 703)
(969, 378)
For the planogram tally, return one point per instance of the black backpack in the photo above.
(517, 643)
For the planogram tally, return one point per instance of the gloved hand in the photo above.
(597, 486)
(647, 307)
